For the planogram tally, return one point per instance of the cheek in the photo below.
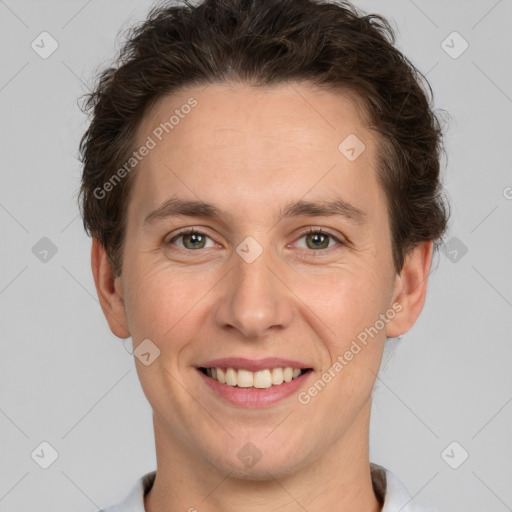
(346, 299)
(156, 302)
(167, 305)
(354, 344)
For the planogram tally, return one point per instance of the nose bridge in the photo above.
(255, 299)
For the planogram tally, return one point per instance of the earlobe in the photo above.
(411, 289)
(109, 290)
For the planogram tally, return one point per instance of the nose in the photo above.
(255, 298)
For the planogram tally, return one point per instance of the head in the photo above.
(302, 148)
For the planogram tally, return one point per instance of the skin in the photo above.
(251, 151)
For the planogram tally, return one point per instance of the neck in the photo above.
(339, 479)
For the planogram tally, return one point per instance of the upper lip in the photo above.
(253, 365)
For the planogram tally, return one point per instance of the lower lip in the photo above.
(254, 397)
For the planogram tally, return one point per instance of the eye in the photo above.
(317, 239)
(192, 239)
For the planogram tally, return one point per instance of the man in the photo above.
(261, 181)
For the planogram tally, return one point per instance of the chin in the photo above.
(251, 463)
(260, 472)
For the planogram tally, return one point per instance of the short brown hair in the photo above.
(261, 43)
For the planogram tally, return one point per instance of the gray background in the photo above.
(65, 379)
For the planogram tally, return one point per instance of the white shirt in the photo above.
(387, 487)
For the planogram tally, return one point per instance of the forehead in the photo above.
(297, 113)
(248, 145)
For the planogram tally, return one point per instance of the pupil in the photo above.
(194, 238)
(319, 239)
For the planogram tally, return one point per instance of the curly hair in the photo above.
(262, 43)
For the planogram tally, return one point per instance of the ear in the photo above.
(110, 290)
(410, 289)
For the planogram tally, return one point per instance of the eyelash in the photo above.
(194, 231)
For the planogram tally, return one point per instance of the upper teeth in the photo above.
(247, 379)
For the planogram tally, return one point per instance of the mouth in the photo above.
(261, 379)
(253, 383)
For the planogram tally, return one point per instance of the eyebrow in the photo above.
(175, 207)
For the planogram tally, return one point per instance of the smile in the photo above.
(261, 379)
(253, 383)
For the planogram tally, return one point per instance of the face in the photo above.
(268, 278)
